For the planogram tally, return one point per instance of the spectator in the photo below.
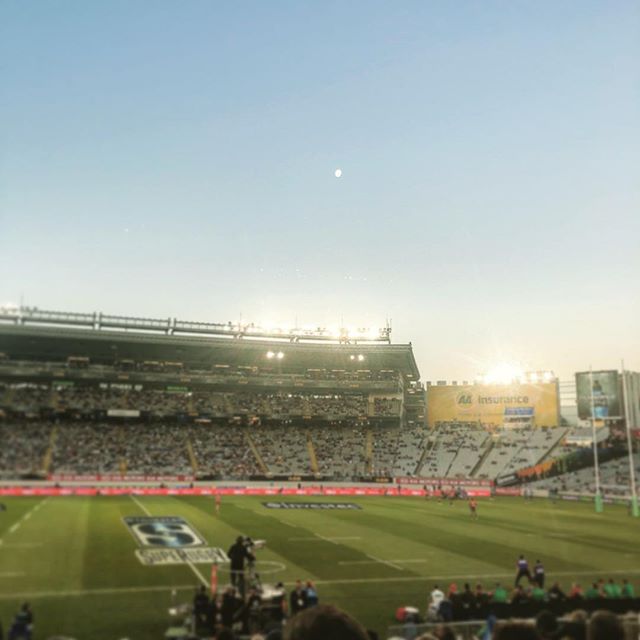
(546, 625)
(612, 590)
(627, 589)
(324, 622)
(22, 627)
(500, 594)
(435, 598)
(298, 598)
(592, 593)
(556, 594)
(515, 630)
(605, 625)
(312, 594)
(576, 591)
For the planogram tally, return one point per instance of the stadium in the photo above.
(136, 452)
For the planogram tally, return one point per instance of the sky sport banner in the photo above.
(604, 387)
(491, 404)
(339, 506)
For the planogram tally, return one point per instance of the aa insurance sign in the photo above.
(171, 540)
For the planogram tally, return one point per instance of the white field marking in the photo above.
(389, 563)
(325, 538)
(318, 537)
(414, 561)
(146, 511)
(478, 576)
(93, 592)
(11, 574)
(26, 516)
(19, 545)
(192, 566)
(32, 595)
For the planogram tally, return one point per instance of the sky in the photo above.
(177, 159)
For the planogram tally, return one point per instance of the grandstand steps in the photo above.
(482, 458)
(368, 452)
(56, 405)
(425, 454)
(446, 473)
(48, 455)
(556, 445)
(193, 460)
(312, 455)
(256, 454)
(8, 399)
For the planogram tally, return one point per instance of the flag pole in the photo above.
(635, 511)
(598, 496)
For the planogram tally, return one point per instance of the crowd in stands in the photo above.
(614, 478)
(23, 449)
(340, 452)
(89, 400)
(236, 435)
(222, 451)
(283, 449)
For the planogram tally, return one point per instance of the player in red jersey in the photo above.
(473, 508)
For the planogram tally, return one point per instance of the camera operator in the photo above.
(239, 552)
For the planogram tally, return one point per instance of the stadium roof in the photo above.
(27, 342)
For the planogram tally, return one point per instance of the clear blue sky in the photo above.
(177, 158)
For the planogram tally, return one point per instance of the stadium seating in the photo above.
(614, 478)
(23, 449)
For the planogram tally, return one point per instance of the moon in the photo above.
(337, 173)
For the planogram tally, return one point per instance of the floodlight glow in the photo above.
(352, 357)
(360, 358)
(280, 355)
(270, 355)
(503, 373)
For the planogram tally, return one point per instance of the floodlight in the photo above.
(280, 355)
(270, 355)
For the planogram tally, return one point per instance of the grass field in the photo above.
(74, 558)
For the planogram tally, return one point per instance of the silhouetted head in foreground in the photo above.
(322, 622)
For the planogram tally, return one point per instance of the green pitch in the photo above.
(74, 558)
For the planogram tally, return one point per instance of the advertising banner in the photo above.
(600, 389)
(228, 491)
(449, 482)
(114, 477)
(494, 404)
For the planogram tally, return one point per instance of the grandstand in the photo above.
(92, 395)
(204, 400)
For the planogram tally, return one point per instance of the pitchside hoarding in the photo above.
(600, 389)
(493, 404)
